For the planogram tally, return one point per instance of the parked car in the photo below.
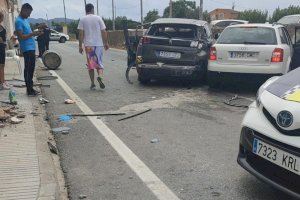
(174, 48)
(57, 36)
(218, 26)
(60, 37)
(292, 24)
(270, 137)
(250, 49)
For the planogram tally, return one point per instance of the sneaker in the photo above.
(102, 86)
(93, 87)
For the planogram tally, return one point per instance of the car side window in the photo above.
(282, 36)
(289, 40)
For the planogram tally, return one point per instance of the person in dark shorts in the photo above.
(3, 84)
(27, 46)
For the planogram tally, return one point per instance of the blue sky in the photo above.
(131, 8)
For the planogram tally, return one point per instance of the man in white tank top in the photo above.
(92, 33)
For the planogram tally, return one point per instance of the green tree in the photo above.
(151, 16)
(254, 16)
(182, 9)
(279, 13)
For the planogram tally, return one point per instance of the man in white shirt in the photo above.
(93, 35)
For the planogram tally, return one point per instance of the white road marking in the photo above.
(159, 189)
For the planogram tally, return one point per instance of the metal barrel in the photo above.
(51, 60)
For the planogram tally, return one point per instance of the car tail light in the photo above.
(277, 55)
(145, 40)
(213, 53)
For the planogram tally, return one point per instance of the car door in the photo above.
(296, 56)
(287, 46)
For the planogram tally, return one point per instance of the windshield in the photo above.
(248, 35)
(173, 31)
(289, 20)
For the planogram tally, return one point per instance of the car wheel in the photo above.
(213, 79)
(144, 80)
(62, 40)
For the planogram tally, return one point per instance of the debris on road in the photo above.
(42, 100)
(21, 116)
(52, 148)
(236, 98)
(3, 115)
(15, 120)
(2, 125)
(155, 140)
(63, 130)
(46, 78)
(65, 118)
(135, 115)
(95, 114)
(70, 101)
(82, 196)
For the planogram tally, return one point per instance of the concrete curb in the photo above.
(52, 177)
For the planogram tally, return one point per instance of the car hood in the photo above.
(287, 86)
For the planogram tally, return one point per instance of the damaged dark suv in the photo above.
(174, 47)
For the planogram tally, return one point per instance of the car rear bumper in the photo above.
(264, 170)
(276, 68)
(162, 71)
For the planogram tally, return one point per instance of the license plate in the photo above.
(165, 54)
(277, 156)
(243, 55)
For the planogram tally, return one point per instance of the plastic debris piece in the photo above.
(2, 125)
(82, 196)
(42, 100)
(15, 120)
(155, 140)
(65, 118)
(60, 130)
(69, 101)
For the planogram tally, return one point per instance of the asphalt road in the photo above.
(198, 135)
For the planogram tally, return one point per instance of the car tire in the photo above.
(62, 40)
(213, 79)
(144, 80)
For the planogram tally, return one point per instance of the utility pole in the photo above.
(65, 12)
(201, 10)
(171, 9)
(113, 14)
(142, 18)
(97, 7)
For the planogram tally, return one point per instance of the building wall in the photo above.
(10, 12)
(220, 14)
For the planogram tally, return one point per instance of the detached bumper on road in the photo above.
(161, 71)
(264, 170)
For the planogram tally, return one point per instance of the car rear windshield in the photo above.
(173, 31)
(248, 35)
